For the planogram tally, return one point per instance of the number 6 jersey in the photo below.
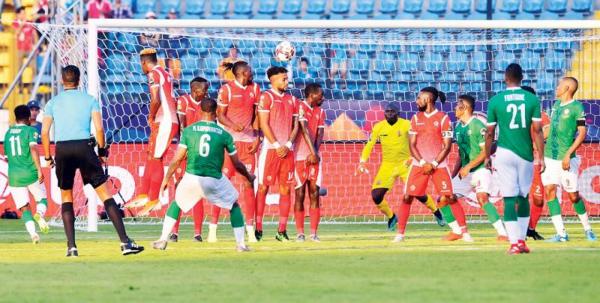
(205, 142)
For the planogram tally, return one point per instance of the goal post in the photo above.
(363, 66)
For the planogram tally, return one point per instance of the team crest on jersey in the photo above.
(412, 188)
(251, 95)
(399, 134)
(435, 123)
(469, 132)
(566, 112)
(482, 131)
(269, 178)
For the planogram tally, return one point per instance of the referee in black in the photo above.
(72, 113)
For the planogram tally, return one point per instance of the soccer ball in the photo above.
(285, 51)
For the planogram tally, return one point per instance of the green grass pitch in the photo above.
(353, 263)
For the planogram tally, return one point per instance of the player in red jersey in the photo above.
(238, 100)
(189, 112)
(308, 163)
(278, 119)
(430, 143)
(537, 188)
(162, 119)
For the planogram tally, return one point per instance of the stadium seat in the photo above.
(167, 5)
(461, 6)
(268, 7)
(389, 6)
(416, 36)
(413, 6)
(442, 47)
(457, 62)
(533, 6)
(194, 9)
(144, 6)
(437, 6)
(582, 6)
(408, 62)
(557, 6)
(220, 8)
(240, 7)
(479, 62)
(510, 6)
(364, 7)
(555, 61)
(530, 61)
(316, 7)
(340, 7)
(291, 9)
(503, 59)
(433, 62)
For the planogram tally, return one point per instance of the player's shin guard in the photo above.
(523, 213)
(68, 217)
(315, 218)
(237, 222)
(510, 219)
(42, 207)
(299, 218)
(403, 217)
(29, 223)
(157, 175)
(284, 212)
(261, 199)
(459, 214)
(384, 208)
(557, 221)
(536, 213)
(582, 214)
(170, 218)
(449, 217)
(494, 218)
(198, 213)
(114, 213)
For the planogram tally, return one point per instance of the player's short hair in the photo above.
(312, 88)
(149, 54)
(574, 81)
(22, 113)
(276, 70)
(528, 88)
(235, 66)
(469, 100)
(198, 80)
(435, 93)
(304, 59)
(514, 72)
(209, 105)
(19, 9)
(70, 74)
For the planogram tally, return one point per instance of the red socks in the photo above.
(284, 212)
(315, 218)
(261, 199)
(153, 176)
(403, 217)
(198, 213)
(459, 215)
(249, 205)
(536, 213)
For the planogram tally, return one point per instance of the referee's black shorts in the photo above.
(78, 154)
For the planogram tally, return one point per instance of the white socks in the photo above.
(523, 225)
(513, 231)
(499, 228)
(238, 232)
(559, 225)
(168, 224)
(30, 226)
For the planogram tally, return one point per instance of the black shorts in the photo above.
(78, 154)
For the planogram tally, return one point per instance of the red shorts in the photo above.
(416, 184)
(272, 168)
(161, 136)
(537, 188)
(247, 158)
(307, 172)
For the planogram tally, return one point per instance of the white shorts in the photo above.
(21, 194)
(478, 181)
(555, 175)
(192, 188)
(514, 174)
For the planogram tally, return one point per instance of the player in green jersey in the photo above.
(516, 113)
(469, 173)
(567, 132)
(202, 146)
(24, 171)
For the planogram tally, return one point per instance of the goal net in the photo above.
(362, 68)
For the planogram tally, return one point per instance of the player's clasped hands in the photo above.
(253, 148)
(428, 168)
(238, 127)
(282, 151)
(312, 159)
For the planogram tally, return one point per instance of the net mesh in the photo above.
(361, 70)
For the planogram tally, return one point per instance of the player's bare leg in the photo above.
(299, 212)
(315, 210)
(493, 217)
(284, 212)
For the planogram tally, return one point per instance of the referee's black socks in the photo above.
(68, 217)
(113, 212)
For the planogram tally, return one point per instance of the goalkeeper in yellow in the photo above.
(392, 133)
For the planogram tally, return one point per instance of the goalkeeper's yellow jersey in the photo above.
(393, 139)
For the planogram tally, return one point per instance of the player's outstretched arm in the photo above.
(241, 168)
(46, 124)
(180, 155)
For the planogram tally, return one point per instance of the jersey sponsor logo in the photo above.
(514, 97)
(483, 131)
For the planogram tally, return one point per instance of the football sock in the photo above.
(114, 213)
(156, 177)
(581, 213)
(494, 218)
(459, 214)
(260, 209)
(68, 217)
(449, 217)
(403, 217)
(284, 211)
(237, 222)
(385, 209)
(315, 217)
(176, 226)
(42, 206)
(523, 216)
(510, 219)
(215, 212)
(198, 213)
(249, 205)
(170, 219)
(29, 224)
(557, 221)
(299, 218)
(536, 213)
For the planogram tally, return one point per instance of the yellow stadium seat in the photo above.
(29, 3)
(4, 59)
(27, 75)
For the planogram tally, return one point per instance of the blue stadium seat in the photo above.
(510, 6)
(364, 7)
(557, 6)
(503, 59)
(408, 62)
(144, 6)
(340, 7)
(545, 83)
(582, 6)
(388, 6)
(481, 5)
(479, 62)
(437, 6)
(240, 7)
(267, 7)
(167, 5)
(530, 61)
(416, 36)
(219, 7)
(291, 9)
(457, 62)
(413, 6)
(461, 6)
(443, 47)
(533, 6)
(316, 7)
(433, 62)
(194, 9)
(555, 61)
(189, 62)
